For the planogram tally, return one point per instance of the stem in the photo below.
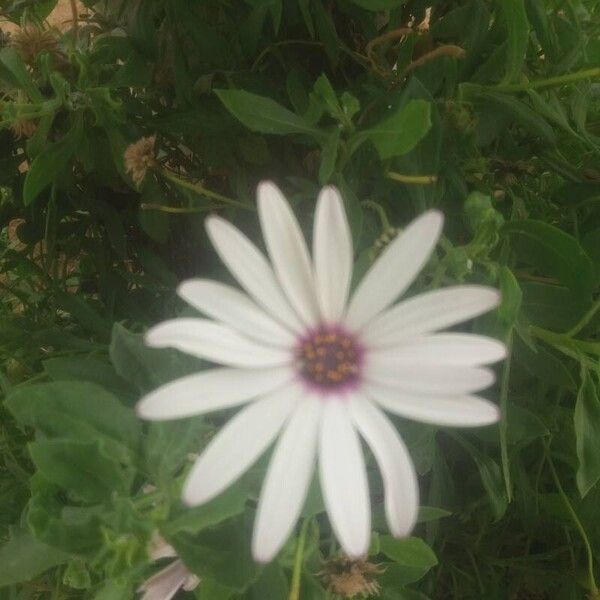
(504, 423)
(199, 189)
(418, 179)
(550, 82)
(298, 561)
(385, 222)
(588, 549)
(175, 210)
(562, 340)
(75, 14)
(589, 315)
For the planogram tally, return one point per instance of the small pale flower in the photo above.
(314, 366)
(347, 578)
(139, 157)
(167, 582)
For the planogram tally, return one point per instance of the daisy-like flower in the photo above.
(315, 366)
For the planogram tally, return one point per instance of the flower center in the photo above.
(329, 358)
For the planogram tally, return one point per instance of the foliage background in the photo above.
(486, 109)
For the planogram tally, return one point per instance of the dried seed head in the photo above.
(346, 578)
(30, 41)
(139, 157)
(23, 128)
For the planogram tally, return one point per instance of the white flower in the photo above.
(167, 582)
(314, 368)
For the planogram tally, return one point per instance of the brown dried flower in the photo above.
(30, 41)
(139, 157)
(23, 128)
(346, 578)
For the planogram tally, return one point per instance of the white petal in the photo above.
(252, 271)
(429, 312)
(427, 379)
(451, 349)
(287, 250)
(215, 342)
(450, 411)
(400, 484)
(238, 445)
(213, 389)
(234, 308)
(332, 254)
(166, 583)
(287, 481)
(344, 479)
(395, 269)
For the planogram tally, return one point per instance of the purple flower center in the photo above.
(329, 358)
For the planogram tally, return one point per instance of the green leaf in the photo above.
(329, 152)
(146, 367)
(92, 370)
(521, 113)
(84, 468)
(401, 132)
(553, 253)
(412, 560)
(74, 409)
(51, 162)
(272, 584)
(515, 17)
(264, 115)
(83, 313)
(24, 557)
(230, 503)
(409, 551)
(222, 553)
(431, 513)
(13, 69)
(587, 432)
(512, 296)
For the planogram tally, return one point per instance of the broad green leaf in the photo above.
(524, 426)
(70, 528)
(23, 557)
(521, 113)
(515, 17)
(146, 367)
(327, 94)
(84, 468)
(273, 584)
(49, 164)
(114, 590)
(230, 503)
(81, 312)
(401, 132)
(408, 552)
(74, 409)
(412, 557)
(264, 115)
(587, 432)
(13, 69)
(553, 253)
(551, 306)
(222, 553)
(92, 370)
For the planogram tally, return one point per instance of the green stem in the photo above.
(298, 561)
(199, 189)
(504, 422)
(385, 222)
(588, 549)
(175, 210)
(565, 341)
(589, 315)
(414, 179)
(550, 82)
